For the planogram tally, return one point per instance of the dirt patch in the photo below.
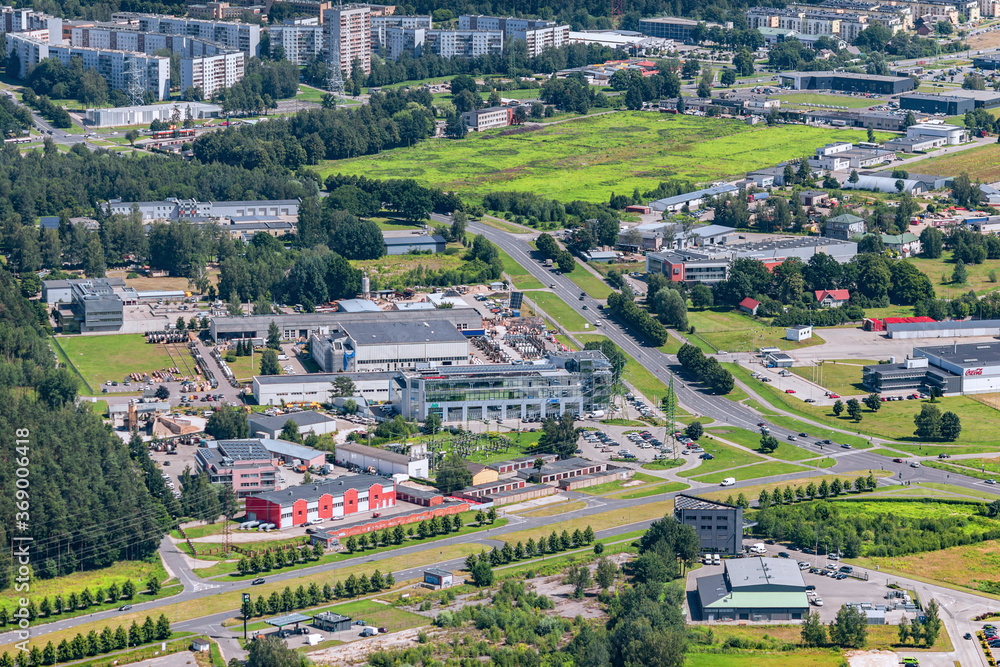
(357, 652)
(562, 594)
(522, 129)
(872, 659)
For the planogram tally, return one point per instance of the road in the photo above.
(692, 399)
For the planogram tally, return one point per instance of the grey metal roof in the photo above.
(277, 422)
(241, 450)
(396, 333)
(358, 306)
(373, 452)
(323, 377)
(682, 501)
(969, 354)
(285, 448)
(333, 487)
(423, 239)
(417, 493)
(438, 571)
(287, 619)
(949, 324)
(697, 194)
(758, 571)
(331, 617)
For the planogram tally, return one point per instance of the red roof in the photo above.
(837, 294)
(749, 303)
(908, 320)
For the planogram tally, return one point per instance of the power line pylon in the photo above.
(135, 82)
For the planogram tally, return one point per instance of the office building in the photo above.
(244, 37)
(954, 134)
(362, 457)
(567, 382)
(719, 526)
(302, 43)
(844, 227)
(245, 465)
(191, 209)
(949, 105)
(753, 589)
(144, 115)
(381, 24)
(537, 34)
(846, 82)
(338, 497)
(115, 66)
(308, 422)
(347, 31)
(390, 346)
(478, 120)
(966, 368)
(669, 27)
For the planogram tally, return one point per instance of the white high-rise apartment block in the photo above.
(380, 24)
(211, 73)
(235, 35)
(301, 43)
(463, 43)
(348, 27)
(110, 64)
(538, 34)
(28, 20)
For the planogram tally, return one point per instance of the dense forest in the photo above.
(83, 504)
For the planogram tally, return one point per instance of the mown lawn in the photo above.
(841, 376)
(756, 471)
(589, 158)
(518, 274)
(103, 358)
(559, 310)
(801, 658)
(590, 283)
(725, 329)
(981, 164)
(726, 456)
(786, 451)
(813, 99)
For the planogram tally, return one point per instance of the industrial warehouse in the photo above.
(971, 368)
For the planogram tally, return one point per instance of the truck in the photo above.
(548, 262)
(369, 631)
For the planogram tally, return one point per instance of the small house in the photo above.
(832, 298)
(749, 306)
(906, 244)
(813, 198)
(200, 645)
(799, 333)
(778, 360)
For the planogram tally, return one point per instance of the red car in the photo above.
(834, 395)
(789, 391)
(897, 460)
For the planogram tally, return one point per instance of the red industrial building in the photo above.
(343, 496)
(874, 324)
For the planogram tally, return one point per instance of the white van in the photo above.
(729, 481)
(758, 548)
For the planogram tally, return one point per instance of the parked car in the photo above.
(257, 581)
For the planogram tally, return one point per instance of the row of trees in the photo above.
(269, 560)
(549, 249)
(707, 369)
(302, 597)
(638, 319)
(93, 643)
(58, 605)
(438, 525)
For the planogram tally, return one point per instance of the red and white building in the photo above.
(832, 298)
(343, 496)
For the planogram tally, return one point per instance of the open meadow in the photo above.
(724, 329)
(590, 158)
(103, 358)
(982, 164)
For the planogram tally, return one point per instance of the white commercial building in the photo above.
(486, 119)
(390, 346)
(152, 71)
(799, 333)
(301, 42)
(212, 73)
(385, 463)
(348, 29)
(316, 387)
(953, 133)
(144, 115)
(242, 36)
(186, 209)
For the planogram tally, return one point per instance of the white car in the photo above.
(817, 601)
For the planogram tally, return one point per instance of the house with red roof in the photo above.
(832, 298)
(749, 306)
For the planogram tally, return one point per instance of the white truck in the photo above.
(369, 631)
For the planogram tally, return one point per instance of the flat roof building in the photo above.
(342, 496)
(691, 199)
(753, 589)
(316, 387)
(384, 462)
(307, 421)
(968, 368)
(949, 105)
(847, 82)
(390, 346)
(671, 27)
(245, 465)
(401, 245)
(719, 526)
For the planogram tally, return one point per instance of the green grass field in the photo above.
(768, 469)
(800, 658)
(981, 163)
(725, 329)
(726, 457)
(942, 267)
(102, 358)
(841, 376)
(559, 310)
(589, 158)
(646, 491)
(741, 436)
(590, 283)
(518, 274)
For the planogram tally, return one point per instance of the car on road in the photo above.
(789, 391)
(792, 438)
(991, 481)
(846, 446)
(581, 298)
(759, 424)
(834, 395)
(915, 464)
(968, 635)
(897, 460)
(782, 554)
(258, 581)
(584, 306)
(125, 607)
(944, 456)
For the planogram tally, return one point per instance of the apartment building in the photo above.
(398, 40)
(111, 64)
(212, 73)
(301, 42)
(28, 20)
(380, 24)
(233, 34)
(478, 120)
(463, 43)
(816, 22)
(539, 35)
(347, 29)
(112, 37)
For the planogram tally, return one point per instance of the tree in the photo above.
(633, 97)
(768, 443)
(343, 386)
(932, 623)
(453, 474)
(951, 426)
(269, 363)
(928, 422)
(873, 402)
(741, 501)
(904, 630)
(743, 62)
(482, 574)
(565, 261)
(579, 577)
(694, 430)
(270, 651)
(606, 573)
(701, 296)
(455, 126)
(813, 630)
(838, 408)
(728, 77)
(960, 275)
(850, 629)
(853, 178)
(909, 120)
(705, 83)
(273, 336)
(854, 409)
(228, 423)
(290, 431)
(871, 134)
(931, 242)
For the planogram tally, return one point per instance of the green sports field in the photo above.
(590, 158)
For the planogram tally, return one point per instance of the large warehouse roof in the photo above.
(397, 333)
(969, 354)
(334, 487)
(948, 325)
(750, 572)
